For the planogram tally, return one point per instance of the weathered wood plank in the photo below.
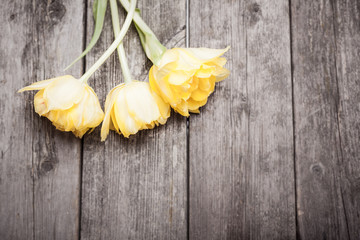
(241, 145)
(326, 43)
(347, 33)
(39, 166)
(136, 188)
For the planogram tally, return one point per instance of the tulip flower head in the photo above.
(69, 104)
(185, 77)
(132, 107)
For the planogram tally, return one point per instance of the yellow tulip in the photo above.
(131, 107)
(68, 103)
(185, 77)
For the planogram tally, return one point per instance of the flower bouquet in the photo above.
(180, 78)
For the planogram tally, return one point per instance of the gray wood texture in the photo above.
(275, 153)
(39, 166)
(241, 145)
(326, 60)
(136, 188)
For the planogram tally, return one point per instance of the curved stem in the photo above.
(137, 19)
(113, 46)
(120, 49)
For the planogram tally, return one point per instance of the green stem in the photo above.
(137, 19)
(120, 49)
(113, 46)
(151, 45)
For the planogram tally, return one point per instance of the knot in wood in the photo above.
(255, 7)
(56, 11)
(47, 166)
(317, 169)
(254, 13)
(12, 16)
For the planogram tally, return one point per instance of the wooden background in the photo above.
(275, 154)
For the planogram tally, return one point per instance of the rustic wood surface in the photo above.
(135, 188)
(326, 60)
(241, 145)
(39, 166)
(275, 154)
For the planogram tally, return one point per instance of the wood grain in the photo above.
(326, 82)
(136, 188)
(39, 166)
(249, 176)
(347, 35)
(241, 145)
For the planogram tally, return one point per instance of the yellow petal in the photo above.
(162, 85)
(53, 116)
(220, 61)
(92, 114)
(41, 84)
(126, 123)
(39, 103)
(204, 84)
(112, 127)
(187, 61)
(169, 56)
(164, 108)
(194, 83)
(205, 72)
(87, 114)
(109, 104)
(60, 120)
(194, 105)
(180, 77)
(140, 102)
(153, 83)
(181, 108)
(194, 111)
(63, 93)
(66, 121)
(199, 95)
(80, 133)
(206, 54)
(207, 84)
(76, 113)
(113, 122)
(221, 74)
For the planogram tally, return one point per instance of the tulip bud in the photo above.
(132, 107)
(185, 77)
(68, 103)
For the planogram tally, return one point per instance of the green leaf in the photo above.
(151, 45)
(141, 35)
(95, 5)
(99, 10)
